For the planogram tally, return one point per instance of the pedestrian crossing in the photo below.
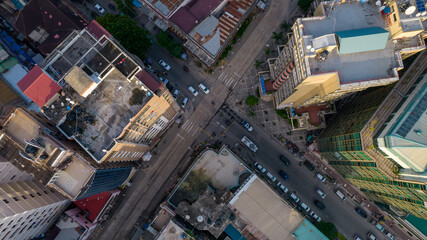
(226, 79)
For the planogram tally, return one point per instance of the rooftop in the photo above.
(222, 171)
(100, 94)
(166, 6)
(380, 60)
(172, 232)
(276, 220)
(93, 204)
(308, 231)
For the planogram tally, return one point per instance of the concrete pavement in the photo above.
(148, 182)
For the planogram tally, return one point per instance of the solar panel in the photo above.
(420, 5)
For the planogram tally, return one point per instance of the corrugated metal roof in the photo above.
(362, 40)
(308, 231)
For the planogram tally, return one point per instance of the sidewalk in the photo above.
(357, 196)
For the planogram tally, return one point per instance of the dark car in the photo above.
(361, 212)
(283, 175)
(186, 69)
(309, 165)
(285, 160)
(319, 204)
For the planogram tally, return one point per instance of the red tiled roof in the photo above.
(38, 86)
(228, 23)
(148, 80)
(97, 30)
(313, 112)
(93, 204)
(184, 20)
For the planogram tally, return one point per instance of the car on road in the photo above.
(175, 94)
(281, 186)
(314, 215)
(186, 69)
(305, 207)
(319, 204)
(193, 91)
(184, 102)
(377, 225)
(284, 175)
(269, 175)
(321, 177)
(360, 212)
(165, 65)
(204, 88)
(371, 236)
(99, 8)
(294, 197)
(247, 126)
(249, 144)
(320, 193)
(260, 167)
(285, 160)
(309, 165)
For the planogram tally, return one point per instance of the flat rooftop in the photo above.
(172, 232)
(105, 74)
(276, 220)
(377, 64)
(74, 177)
(222, 171)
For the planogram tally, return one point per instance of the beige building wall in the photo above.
(10, 173)
(28, 209)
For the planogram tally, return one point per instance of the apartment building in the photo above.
(378, 143)
(99, 95)
(347, 46)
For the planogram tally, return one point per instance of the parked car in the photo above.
(294, 197)
(321, 177)
(361, 212)
(269, 175)
(309, 165)
(247, 126)
(99, 8)
(371, 236)
(390, 236)
(111, 6)
(356, 237)
(281, 186)
(285, 160)
(165, 65)
(175, 94)
(320, 193)
(314, 215)
(166, 81)
(186, 69)
(305, 207)
(184, 102)
(319, 204)
(340, 194)
(204, 88)
(260, 167)
(284, 175)
(193, 91)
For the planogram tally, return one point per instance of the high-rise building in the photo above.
(99, 95)
(347, 46)
(379, 142)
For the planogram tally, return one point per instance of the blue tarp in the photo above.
(233, 233)
(262, 85)
(137, 3)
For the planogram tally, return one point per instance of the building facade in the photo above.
(378, 143)
(345, 47)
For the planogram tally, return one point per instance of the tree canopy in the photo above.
(132, 37)
(166, 41)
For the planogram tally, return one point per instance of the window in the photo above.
(15, 198)
(38, 194)
(394, 18)
(24, 197)
(31, 195)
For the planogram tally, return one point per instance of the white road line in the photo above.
(195, 131)
(222, 78)
(223, 127)
(185, 124)
(181, 137)
(237, 75)
(221, 75)
(218, 123)
(189, 130)
(235, 84)
(229, 81)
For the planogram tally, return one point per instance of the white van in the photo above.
(340, 194)
(184, 102)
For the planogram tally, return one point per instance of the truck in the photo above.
(249, 144)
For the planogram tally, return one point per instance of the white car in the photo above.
(261, 168)
(193, 91)
(204, 88)
(294, 197)
(247, 126)
(281, 186)
(320, 193)
(99, 8)
(269, 175)
(305, 207)
(184, 102)
(165, 65)
(314, 215)
(175, 94)
(321, 177)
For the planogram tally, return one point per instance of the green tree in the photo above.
(251, 100)
(166, 41)
(285, 26)
(304, 4)
(133, 38)
(258, 63)
(126, 6)
(328, 229)
(267, 51)
(278, 36)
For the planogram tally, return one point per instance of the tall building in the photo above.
(28, 209)
(379, 143)
(347, 46)
(99, 95)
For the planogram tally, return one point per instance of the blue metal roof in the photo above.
(308, 231)
(362, 40)
(233, 233)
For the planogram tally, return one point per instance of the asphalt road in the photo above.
(301, 181)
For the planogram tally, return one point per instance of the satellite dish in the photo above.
(382, 8)
(378, 3)
(423, 13)
(418, 15)
(395, 41)
(312, 50)
(309, 47)
(410, 10)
